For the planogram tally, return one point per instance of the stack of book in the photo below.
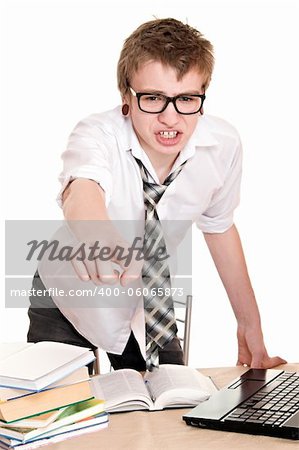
(46, 395)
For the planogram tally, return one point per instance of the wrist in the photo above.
(246, 310)
(252, 331)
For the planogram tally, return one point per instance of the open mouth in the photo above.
(168, 134)
(168, 138)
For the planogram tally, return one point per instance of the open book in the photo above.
(170, 386)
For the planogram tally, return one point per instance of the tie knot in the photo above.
(152, 193)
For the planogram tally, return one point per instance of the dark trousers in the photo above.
(47, 323)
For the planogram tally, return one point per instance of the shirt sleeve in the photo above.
(219, 216)
(88, 155)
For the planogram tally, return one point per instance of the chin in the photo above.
(171, 150)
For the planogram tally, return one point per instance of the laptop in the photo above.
(259, 402)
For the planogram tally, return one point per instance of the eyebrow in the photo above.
(156, 91)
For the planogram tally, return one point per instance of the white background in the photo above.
(60, 58)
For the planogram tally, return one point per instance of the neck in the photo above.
(162, 165)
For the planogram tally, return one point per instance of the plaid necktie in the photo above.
(158, 303)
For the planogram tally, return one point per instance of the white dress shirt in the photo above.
(103, 148)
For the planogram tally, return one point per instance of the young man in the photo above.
(160, 157)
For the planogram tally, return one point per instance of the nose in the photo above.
(169, 116)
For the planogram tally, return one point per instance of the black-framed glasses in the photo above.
(152, 103)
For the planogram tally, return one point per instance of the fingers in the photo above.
(258, 359)
(131, 272)
(129, 275)
(99, 272)
(266, 362)
(106, 272)
(244, 354)
(87, 270)
(123, 266)
(239, 363)
(80, 270)
(84, 269)
(252, 351)
(278, 360)
(273, 362)
(91, 268)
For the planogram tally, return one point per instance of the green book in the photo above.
(69, 415)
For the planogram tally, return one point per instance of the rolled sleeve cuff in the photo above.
(210, 226)
(104, 181)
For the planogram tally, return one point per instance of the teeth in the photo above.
(168, 134)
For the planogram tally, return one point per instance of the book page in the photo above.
(11, 393)
(37, 421)
(174, 386)
(78, 375)
(122, 390)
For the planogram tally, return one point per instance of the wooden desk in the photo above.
(163, 430)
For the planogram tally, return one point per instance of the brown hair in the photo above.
(170, 42)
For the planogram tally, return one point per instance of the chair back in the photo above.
(183, 317)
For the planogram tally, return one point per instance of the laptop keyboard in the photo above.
(272, 405)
